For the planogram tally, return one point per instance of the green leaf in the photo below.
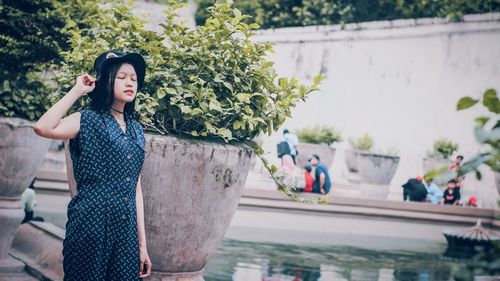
(490, 101)
(160, 93)
(481, 121)
(466, 102)
(228, 85)
(225, 133)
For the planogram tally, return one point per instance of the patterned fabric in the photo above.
(101, 240)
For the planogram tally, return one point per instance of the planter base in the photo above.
(10, 219)
(176, 276)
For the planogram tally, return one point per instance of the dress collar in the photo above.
(113, 128)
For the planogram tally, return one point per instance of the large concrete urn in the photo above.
(21, 154)
(323, 150)
(372, 168)
(191, 192)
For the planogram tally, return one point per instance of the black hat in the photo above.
(104, 60)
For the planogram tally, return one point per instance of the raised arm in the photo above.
(52, 125)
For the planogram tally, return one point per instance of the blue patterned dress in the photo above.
(101, 240)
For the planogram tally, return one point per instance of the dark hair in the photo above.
(308, 167)
(32, 184)
(316, 156)
(102, 96)
(285, 131)
(460, 157)
(453, 181)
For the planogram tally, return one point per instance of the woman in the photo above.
(105, 235)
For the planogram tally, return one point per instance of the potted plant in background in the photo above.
(364, 143)
(375, 168)
(439, 157)
(442, 149)
(208, 91)
(317, 140)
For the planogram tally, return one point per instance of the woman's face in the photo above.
(125, 83)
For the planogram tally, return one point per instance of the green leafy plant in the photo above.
(32, 35)
(487, 132)
(487, 129)
(211, 82)
(284, 13)
(319, 134)
(363, 143)
(443, 148)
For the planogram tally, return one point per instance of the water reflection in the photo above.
(242, 261)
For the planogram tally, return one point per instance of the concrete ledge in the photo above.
(374, 208)
(39, 246)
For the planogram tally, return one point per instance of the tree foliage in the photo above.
(284, 13)
(32, 35)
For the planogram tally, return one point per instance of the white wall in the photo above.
(398, 81)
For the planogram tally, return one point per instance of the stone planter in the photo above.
(21, 154)
(324, 151)
(377, 168)
(191, 192)
(372, 168)
(351, 160)
(432, 163)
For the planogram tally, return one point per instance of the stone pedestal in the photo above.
(191, 192)
(21, 153)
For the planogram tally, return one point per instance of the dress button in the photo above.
(124, 217)
(128, 178)
(125, 138)
(129, 156)
(125, 199)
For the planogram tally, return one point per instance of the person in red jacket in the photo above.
(309, 178)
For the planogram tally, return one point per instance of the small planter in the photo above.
(377, 168)
(191, 192)
(372, 168)
(21, 154)
(324, 151)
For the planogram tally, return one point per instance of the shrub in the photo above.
(363, 143)
(319, 134)
(284, 13)
(444, 148)
(32, 34)
(211, 82)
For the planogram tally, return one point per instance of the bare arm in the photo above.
(69, 170)
(145, 265)
(139, 201)
(51, 125)
(322, 181)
